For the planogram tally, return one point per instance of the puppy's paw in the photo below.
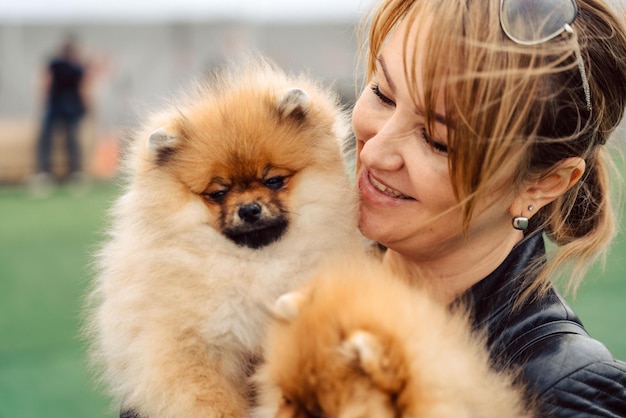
(287, 306)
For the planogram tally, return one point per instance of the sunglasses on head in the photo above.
(533, 22)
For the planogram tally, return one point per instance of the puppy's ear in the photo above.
(287, 306)
(293, 104)
(367, 352)
(162, 144)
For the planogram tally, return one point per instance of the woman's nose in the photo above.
(381, 152)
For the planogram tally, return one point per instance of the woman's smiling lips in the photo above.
(375, 191)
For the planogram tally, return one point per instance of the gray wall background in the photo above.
(138, 64)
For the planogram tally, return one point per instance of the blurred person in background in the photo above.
(63, 85)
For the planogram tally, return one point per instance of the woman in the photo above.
(482, 130)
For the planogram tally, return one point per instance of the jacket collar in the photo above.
(494, 295)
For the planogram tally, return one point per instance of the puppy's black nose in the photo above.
(250, 213)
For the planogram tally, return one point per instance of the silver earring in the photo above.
(520, 223)
(531, 208)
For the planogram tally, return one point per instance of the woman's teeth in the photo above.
(386, 190)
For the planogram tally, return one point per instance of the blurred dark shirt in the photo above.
(64, 94)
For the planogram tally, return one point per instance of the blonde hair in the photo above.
(515, 111)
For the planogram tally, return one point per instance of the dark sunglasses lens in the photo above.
(535, 21)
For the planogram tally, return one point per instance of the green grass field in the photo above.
(45, 247)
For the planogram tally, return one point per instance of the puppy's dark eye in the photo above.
(275, 183)
(216, 196)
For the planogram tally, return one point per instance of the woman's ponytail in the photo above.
(582, 222)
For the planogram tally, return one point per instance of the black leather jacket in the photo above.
(570, 373)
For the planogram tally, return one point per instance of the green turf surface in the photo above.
(45, 247)
(600, 301)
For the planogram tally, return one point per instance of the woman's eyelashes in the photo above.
(381, 96)
(439, 147)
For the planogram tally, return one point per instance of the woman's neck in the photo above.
(448, 277)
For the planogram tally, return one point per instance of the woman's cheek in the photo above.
(359, 117)
(362, 124)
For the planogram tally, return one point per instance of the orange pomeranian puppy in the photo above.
(235, 195)
(357, 342)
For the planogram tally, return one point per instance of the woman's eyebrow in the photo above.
(383, 66)
(438, 117)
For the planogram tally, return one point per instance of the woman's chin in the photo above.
(373, 227)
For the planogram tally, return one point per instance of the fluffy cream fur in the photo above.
(357, 342)
(178, 310)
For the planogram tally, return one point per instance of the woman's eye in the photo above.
(275, 183)
(439, 147)
(384, 99)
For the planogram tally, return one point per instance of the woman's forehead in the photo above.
(401, 57)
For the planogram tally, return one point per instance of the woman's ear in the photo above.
(546, 189)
